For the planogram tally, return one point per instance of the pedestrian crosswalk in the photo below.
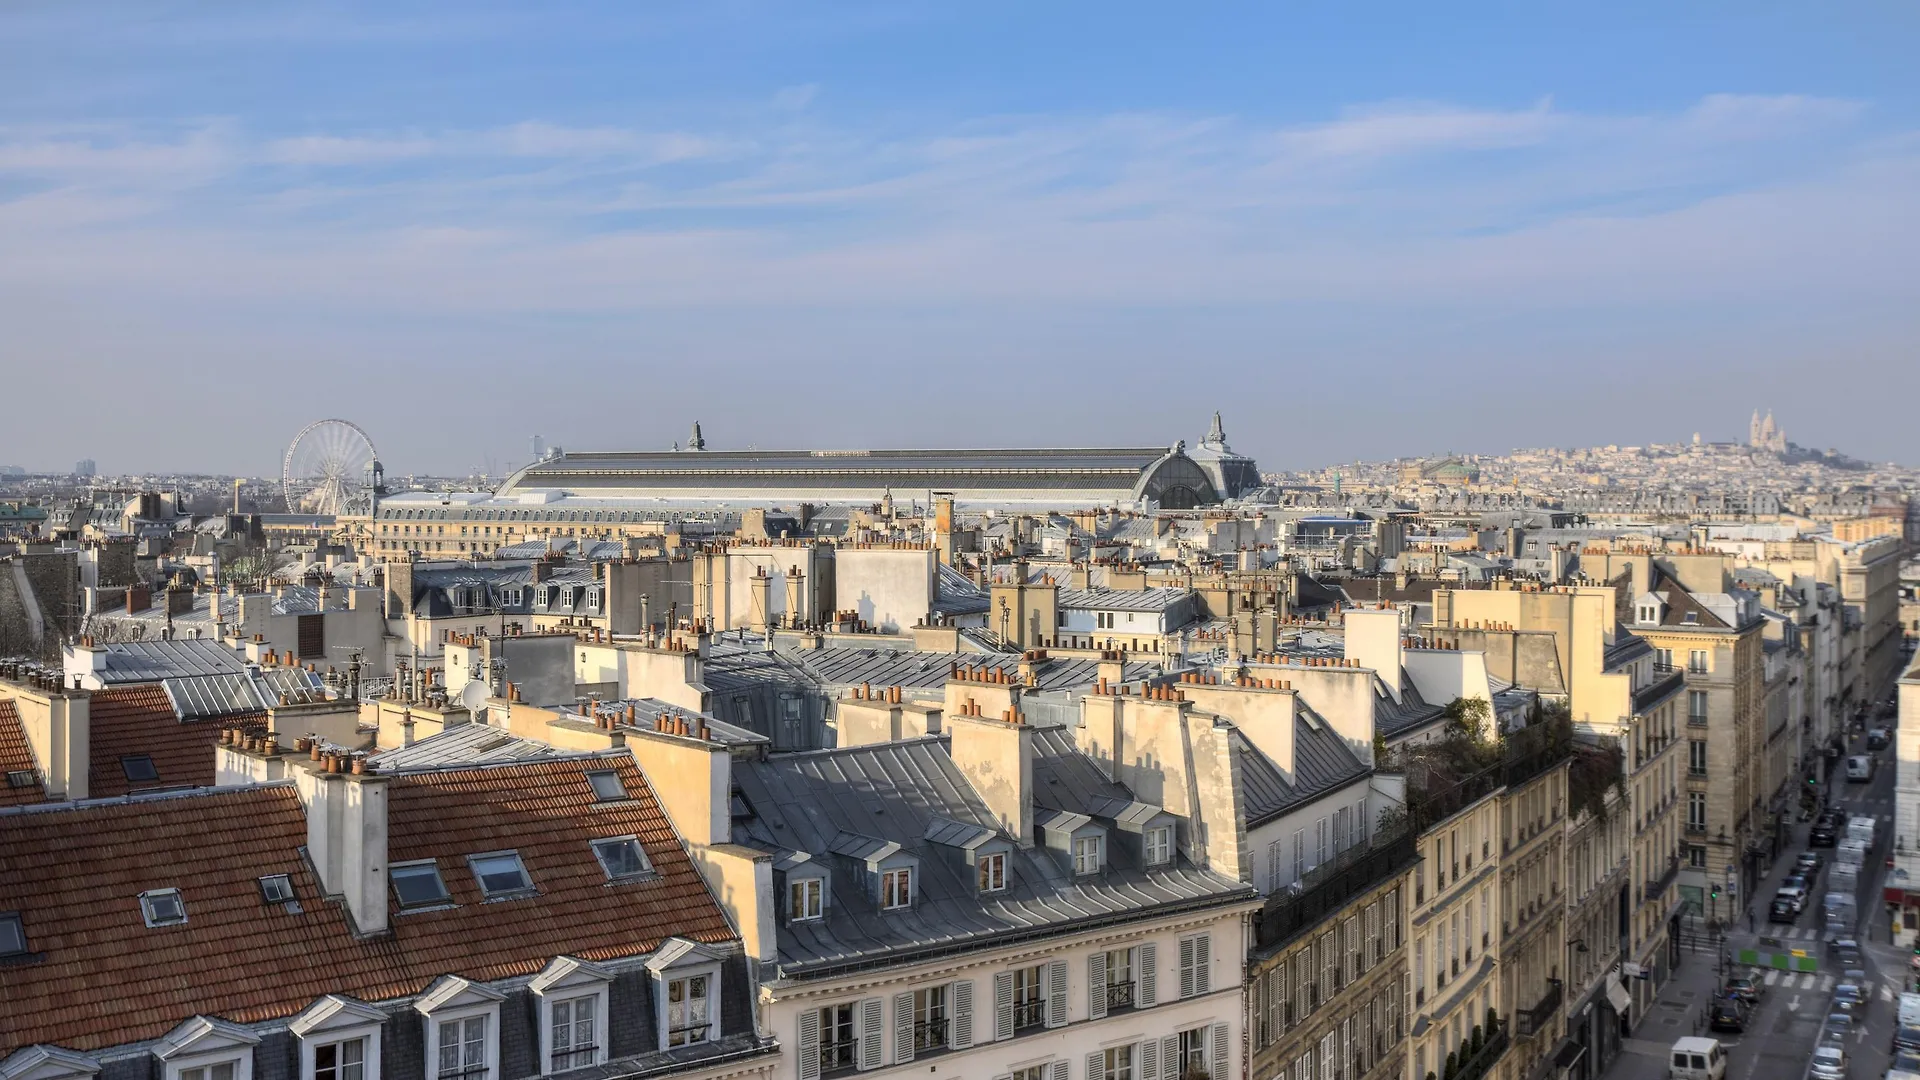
(1799, 980)
(1792, 933)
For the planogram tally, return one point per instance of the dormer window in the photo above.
(1159, 845)
(803, 899)
(896, 888)
(621, 857)
(1086, 854)
(993, 872)
(500, 874)
(1690, 617)
(689, 1010)
(163, 907)
(417, 884)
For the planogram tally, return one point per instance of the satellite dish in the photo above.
(473, 696)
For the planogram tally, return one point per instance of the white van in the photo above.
(1910, 1010)
(1695, 1058)
(1862, 828)
(1859, 769)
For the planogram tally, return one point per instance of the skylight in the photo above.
(607, 786)
(139, 768)
(276, 888)
(163, 907)
(499, 873)
(13, 935)
(621, 857)
(417, 884)
(19, 778)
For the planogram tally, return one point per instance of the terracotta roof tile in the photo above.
(131, 720)
(106, 979)
(16, 761)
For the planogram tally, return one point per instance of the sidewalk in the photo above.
(1677, 1012)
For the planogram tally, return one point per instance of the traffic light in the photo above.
(1715, 894)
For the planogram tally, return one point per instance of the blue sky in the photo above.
(1358, 230)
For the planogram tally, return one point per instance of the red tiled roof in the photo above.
(106, 979)
(130, 720)
(16, 757)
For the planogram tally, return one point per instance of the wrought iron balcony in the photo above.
(1481, 1063)
(1657, 885)
(1540, 1017)
(1119, 996)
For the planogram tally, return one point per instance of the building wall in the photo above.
(1299, 1008)
(890, 588)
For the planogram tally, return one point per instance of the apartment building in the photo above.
(1461, 1020)
(1903, 882)
(1600, 894)
(1533, 941)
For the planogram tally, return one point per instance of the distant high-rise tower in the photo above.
(83, 467)
(696, 441)
(537, 446)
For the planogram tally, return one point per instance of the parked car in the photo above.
(1782, 910)
(1906, 1040)
(1829, 1063)
(1727, 1014)
(1824, 833)
(1746, 990)
(1845, 953)
(1836, 1029)
(1849, 998)
(1808, 864)
(1793, 889)
(1878, 738)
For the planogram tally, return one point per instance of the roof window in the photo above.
(607, 786)
(417, 884)
(163, 907)
(19, 778)
(139, 768)
(276, 888)
(500, 873)
(621, 857)
(13, 935)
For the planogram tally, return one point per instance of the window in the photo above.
(499, 873)
(13, 935)
(1029, 997)
(417, 884)
(803, 899)
(606, 785)
(1116, 1063)
(276, 888)
(839, 1039)
(1119, 979)
(574, 1032)
(993, 872)
(1662, 658)
(1697, 810)
(1086, 855)
(1696, 856)
(930, 1019)
(19, 778)
(1193, 1050)
(1320, 842)
(1160, 847)
(344, 1060)
(218, 1071)
(621, 857)
(896, 889)
(139, 769)
(463, 1047)
(689, 1004)
(1696, 706)
(1031, 1072)
(1697, 662)
(163, 907)
(1300, 854)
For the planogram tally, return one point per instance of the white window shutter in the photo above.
(903, 1027)
(1060, 1069)
(1003, 1005)
(1186, 967)
(1057, 993)
(1097, 986)
(871, 1023)
(960, 1030)
(1150, 1060)
(809, 1044)
(1218, 1066)
(1170, 1057)
(1144, 958)
(1202, 963)
(1096, 1065)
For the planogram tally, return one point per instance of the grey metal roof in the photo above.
(464, 744)
(895, 792)
(1157, 598)
(647, 710)
(1322, 762)
(152, 661)
(929, 670)
(204, 697)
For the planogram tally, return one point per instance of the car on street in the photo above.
(1905, 1061)
(1727, 1014)
(1795, 891)
(1836, 1029)
(1859, 769)
(1850, 998)
(1808, 864)
(1878, 738)
(1824, 832)
(1845, 954)
(1743, 989)
(1829, 1063)
(1782, 910)
(1906, 1040)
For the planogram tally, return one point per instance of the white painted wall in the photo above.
(890, 588)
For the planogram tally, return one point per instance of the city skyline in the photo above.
(586, 223)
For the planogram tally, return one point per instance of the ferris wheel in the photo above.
(327, 466)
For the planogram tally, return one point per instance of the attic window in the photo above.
(607, 786)
(163, 907)
(896, 889)
(1690, 617)
(20, 778)
(13, 935)
(1086, 855)
(417, 884)
(139, 768)
(500, 873)
(621, 857)
(276, 888)
(1159, 845)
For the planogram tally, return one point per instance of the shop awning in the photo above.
(1618, 997)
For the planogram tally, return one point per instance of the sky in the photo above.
(1360, 231)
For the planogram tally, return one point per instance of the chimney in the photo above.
(59, 731)
(796, 612)
(347, 839)
(1374, 641)
(693, 781)
(760, 597)
(996, 757)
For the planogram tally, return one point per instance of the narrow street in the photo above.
(1781, 1032)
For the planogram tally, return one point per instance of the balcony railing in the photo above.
(1540, 1017)
(1119, 996)
(1654, 694)
(930, 1034)
(1326, 888)
(1478, 1065)
(1657, 885)
(1028, 1014)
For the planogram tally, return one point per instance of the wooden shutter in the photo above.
(1150, 1060)
(1057, 994)
(903, 1027)
(1218, 1066)
(872, 1021)
(1202, 963)
(960, 1029)
(1144, 959)
(1186, 967)
(1096, 1065)
(1170, 1056)
(1097, 986)
(809, 1044)
(1060, 1069)
(1003, 1005)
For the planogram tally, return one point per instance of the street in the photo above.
(1781, 1031)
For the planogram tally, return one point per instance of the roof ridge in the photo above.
(142, 797)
